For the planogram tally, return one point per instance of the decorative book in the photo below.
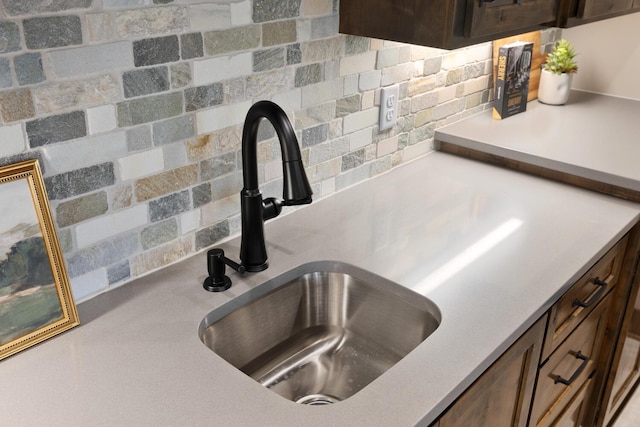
(512, 79)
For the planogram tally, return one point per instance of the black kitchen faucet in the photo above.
(254, 210)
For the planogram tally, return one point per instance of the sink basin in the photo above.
(321, 332)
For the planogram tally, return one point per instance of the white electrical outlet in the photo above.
(388, 106)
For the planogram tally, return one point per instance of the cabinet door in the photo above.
(600, 8)
(487, 17)
(624, 336)
(573, 414)
(627, 371)
(429, 23)
(502, 395)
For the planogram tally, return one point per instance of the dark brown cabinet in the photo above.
(445, 24)
(580, 341)
(597, 9)
(578, 12)
(506, 16)
(451, 24)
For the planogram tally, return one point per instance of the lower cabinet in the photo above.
(626, 372)
(575, 365)
(563, 393)
(501, 396)
(625, 364)
(624, 333)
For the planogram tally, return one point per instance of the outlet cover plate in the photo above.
(388, 106)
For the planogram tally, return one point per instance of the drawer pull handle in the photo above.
(603, 287)
(576, 374)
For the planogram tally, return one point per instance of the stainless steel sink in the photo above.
(321, 332)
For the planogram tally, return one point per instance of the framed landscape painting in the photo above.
(35, 296)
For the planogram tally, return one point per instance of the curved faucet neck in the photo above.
(296, 188)
(286, 136)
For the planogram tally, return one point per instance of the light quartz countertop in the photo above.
(494, 249)
(593, 136)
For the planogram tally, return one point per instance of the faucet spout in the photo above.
(296, 188)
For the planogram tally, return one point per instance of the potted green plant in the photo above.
(557, 74)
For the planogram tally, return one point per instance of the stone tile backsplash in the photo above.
(135, 108)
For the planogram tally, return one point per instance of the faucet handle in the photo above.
(271, 208)
(217, 280)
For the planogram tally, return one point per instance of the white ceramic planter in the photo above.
(554, 88)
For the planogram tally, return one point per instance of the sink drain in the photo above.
(317, 400)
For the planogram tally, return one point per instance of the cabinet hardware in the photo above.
(603, 287)
(576, 374)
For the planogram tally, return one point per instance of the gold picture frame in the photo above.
(36, 302)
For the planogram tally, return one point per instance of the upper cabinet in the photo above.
(446, 24)
(451, 24)
(598, 9)
(577, 12)
(488, 18)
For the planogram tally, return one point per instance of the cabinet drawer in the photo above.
(562, 377)
(583, 296)
(485, 17)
